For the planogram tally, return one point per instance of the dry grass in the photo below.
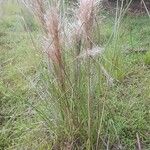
(85, 15)
(51, 24)
(54, 49)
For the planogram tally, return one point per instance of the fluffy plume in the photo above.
(91, 52)
(53, 27)
(53, 24)
(85, 16)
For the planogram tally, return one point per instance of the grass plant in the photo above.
(89, 91)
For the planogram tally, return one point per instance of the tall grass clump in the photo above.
(75, 83)
(58, 84)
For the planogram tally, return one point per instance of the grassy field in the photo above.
(31, 117)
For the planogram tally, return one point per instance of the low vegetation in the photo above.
(73, 78)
